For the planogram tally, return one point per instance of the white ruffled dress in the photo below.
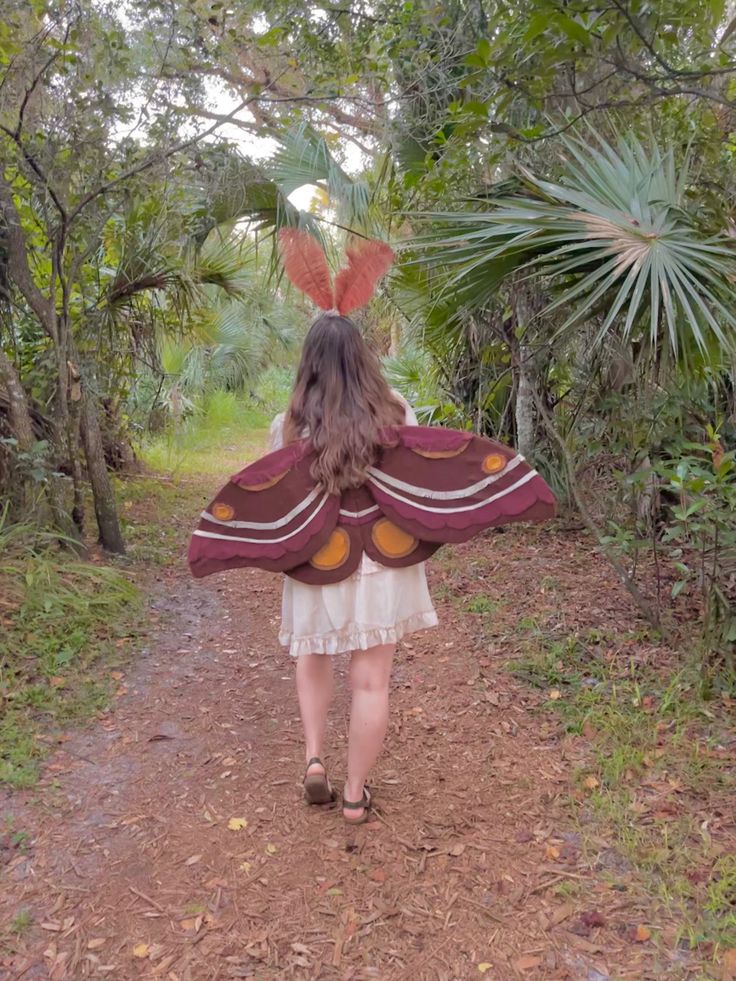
(376, 605)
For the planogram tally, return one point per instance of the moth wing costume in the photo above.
(430, 486)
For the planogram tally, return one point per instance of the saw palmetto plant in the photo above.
(617, 238)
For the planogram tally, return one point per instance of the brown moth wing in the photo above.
(270, 516)
(443, 485)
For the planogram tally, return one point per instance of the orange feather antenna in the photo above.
(368, 260)
(306, 266)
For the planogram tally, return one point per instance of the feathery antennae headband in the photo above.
(306, 266)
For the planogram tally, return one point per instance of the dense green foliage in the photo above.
(559, 182)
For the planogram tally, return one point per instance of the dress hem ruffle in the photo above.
(356, 637)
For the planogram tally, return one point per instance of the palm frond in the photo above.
(303, 157)
(616, 230)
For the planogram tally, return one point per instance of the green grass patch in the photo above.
(655, 770)
(59, 618)
(158, 511)
(216, 440)
(21, 922)
(158, 514)
(482, 604)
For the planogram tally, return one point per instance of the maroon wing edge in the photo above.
(269, 516)
(442, 485)
(430, 486)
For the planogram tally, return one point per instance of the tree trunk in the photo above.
(67, 420)
(119, 453)
(21, 422)
(395, 345)
(21, 426)
(43, 306)
(104, 499)
(525, 416)
(525, 302)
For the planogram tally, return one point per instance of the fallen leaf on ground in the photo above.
(561, 913)
(237, 824)
(593, 919)
(527, 962)
(642, 934)
(591, 783)
(192, 923)
(245, 866)
(271, 849)
(728, 965)
(554, 694)
(484, 967)
(141, 950)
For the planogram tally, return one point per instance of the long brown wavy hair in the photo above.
(342, 402)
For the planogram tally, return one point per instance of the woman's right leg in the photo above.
(370, 672)
(314, 686)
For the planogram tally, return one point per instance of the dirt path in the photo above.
(138, 866)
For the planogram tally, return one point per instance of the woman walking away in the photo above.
(342, 402)
(350, 502)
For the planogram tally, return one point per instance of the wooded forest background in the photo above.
(557, 178)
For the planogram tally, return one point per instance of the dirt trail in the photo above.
(135, 868)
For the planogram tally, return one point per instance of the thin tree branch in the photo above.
(18, 266)
(154, 159)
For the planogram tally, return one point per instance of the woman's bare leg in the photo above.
(314, 686)
(370, 672)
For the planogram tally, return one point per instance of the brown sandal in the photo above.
(364, 805)
(317, 788)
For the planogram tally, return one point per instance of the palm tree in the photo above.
(617, 238)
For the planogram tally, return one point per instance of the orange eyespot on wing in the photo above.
(223, 512)
(439, 454)
(266, 485)
(494, 463)
(334, 553)
(391, 541)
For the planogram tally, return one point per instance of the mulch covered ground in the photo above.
(169, 838)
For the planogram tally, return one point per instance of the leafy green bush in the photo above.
(274, 388)
(701, 537)
(220, 410)
(695, 540)
(58, 618)
(225, 429)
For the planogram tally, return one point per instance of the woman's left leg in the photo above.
(370, 673)
(314, 685)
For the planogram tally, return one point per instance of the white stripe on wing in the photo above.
(450, 495)
(359, 514)
(266, 525)
(466, 507)
(266, 541)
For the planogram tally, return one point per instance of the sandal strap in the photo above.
(358, 805)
